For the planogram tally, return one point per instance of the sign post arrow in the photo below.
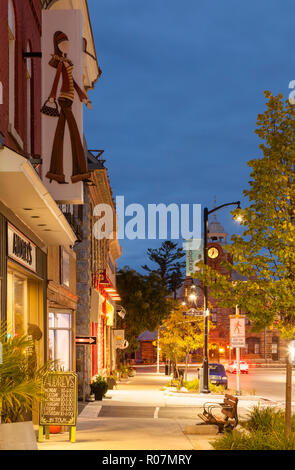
(86, 340)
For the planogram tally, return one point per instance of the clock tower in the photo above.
(216, 241)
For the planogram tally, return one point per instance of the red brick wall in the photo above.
(28, 30)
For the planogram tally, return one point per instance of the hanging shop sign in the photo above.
(119, 339)
(237, 331)
(194, 255)
(20, 248)
(63, 95)
(109, 314)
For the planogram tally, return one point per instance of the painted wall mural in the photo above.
(64, 160)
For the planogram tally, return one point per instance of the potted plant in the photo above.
(111, 380)
(20, 386)
(99, 387)
(131, 371)
(123, 372)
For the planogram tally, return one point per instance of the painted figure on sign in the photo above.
(237, 327)
(64, 70)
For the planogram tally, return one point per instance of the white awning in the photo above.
(23, 192)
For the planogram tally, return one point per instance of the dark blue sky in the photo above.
(176, 106)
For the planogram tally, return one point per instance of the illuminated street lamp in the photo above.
(205, 360)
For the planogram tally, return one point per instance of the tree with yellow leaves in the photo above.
(181, 334)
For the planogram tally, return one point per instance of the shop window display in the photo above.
(60, 339)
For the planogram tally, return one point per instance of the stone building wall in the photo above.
(83, 253)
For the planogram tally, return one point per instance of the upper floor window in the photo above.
(11, 39)
(29, 102)
(214, 315)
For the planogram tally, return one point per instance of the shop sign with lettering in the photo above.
(21, 249)
(59, 407)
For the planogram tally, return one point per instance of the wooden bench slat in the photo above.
(229, 408)
(231, 397)
(229, 413)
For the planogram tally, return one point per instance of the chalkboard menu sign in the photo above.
(59, 407)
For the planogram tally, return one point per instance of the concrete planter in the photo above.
(18, 436)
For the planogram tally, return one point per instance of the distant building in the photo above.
(147, 352)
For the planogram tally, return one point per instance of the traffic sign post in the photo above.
(85, 341)
(289, 367)
(237, 340)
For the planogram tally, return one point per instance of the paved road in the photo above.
(268, 383)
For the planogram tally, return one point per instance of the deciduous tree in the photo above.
(265, 253)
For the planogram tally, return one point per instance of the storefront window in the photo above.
(60, 339)
(65, 268)
(17, 304)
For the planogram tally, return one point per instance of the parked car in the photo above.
(217, 374)
(232, 367)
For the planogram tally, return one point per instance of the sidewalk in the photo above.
(96, 432)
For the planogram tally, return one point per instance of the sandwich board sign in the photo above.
(237, 331)
(59, 406)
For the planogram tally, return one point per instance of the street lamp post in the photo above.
(205, 359)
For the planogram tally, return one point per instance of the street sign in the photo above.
(194, 255)
(86, 340)
(237, 331)
(193, 312)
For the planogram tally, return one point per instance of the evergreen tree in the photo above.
(144, 299)
(170, 268)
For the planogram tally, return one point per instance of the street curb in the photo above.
(213, 396)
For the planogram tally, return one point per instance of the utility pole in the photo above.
(290, 361)
(206, 311)
(158, 352)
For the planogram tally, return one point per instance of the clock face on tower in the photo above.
(213, 252)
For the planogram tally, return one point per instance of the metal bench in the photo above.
(229, 408)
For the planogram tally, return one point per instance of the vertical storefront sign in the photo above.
(61, 150)
(194, 255)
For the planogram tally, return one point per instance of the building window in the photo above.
(257, 348)
(17, 311)
(64, 268)
(29, 103)
(60, 339)
(11, 38)
(253, 346)
(214, 315)
(275, 348)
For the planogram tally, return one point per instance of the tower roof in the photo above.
(216, 227)
(216, 231)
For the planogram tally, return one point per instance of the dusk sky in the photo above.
(175, 109)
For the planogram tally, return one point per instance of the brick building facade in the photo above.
(20, 118)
